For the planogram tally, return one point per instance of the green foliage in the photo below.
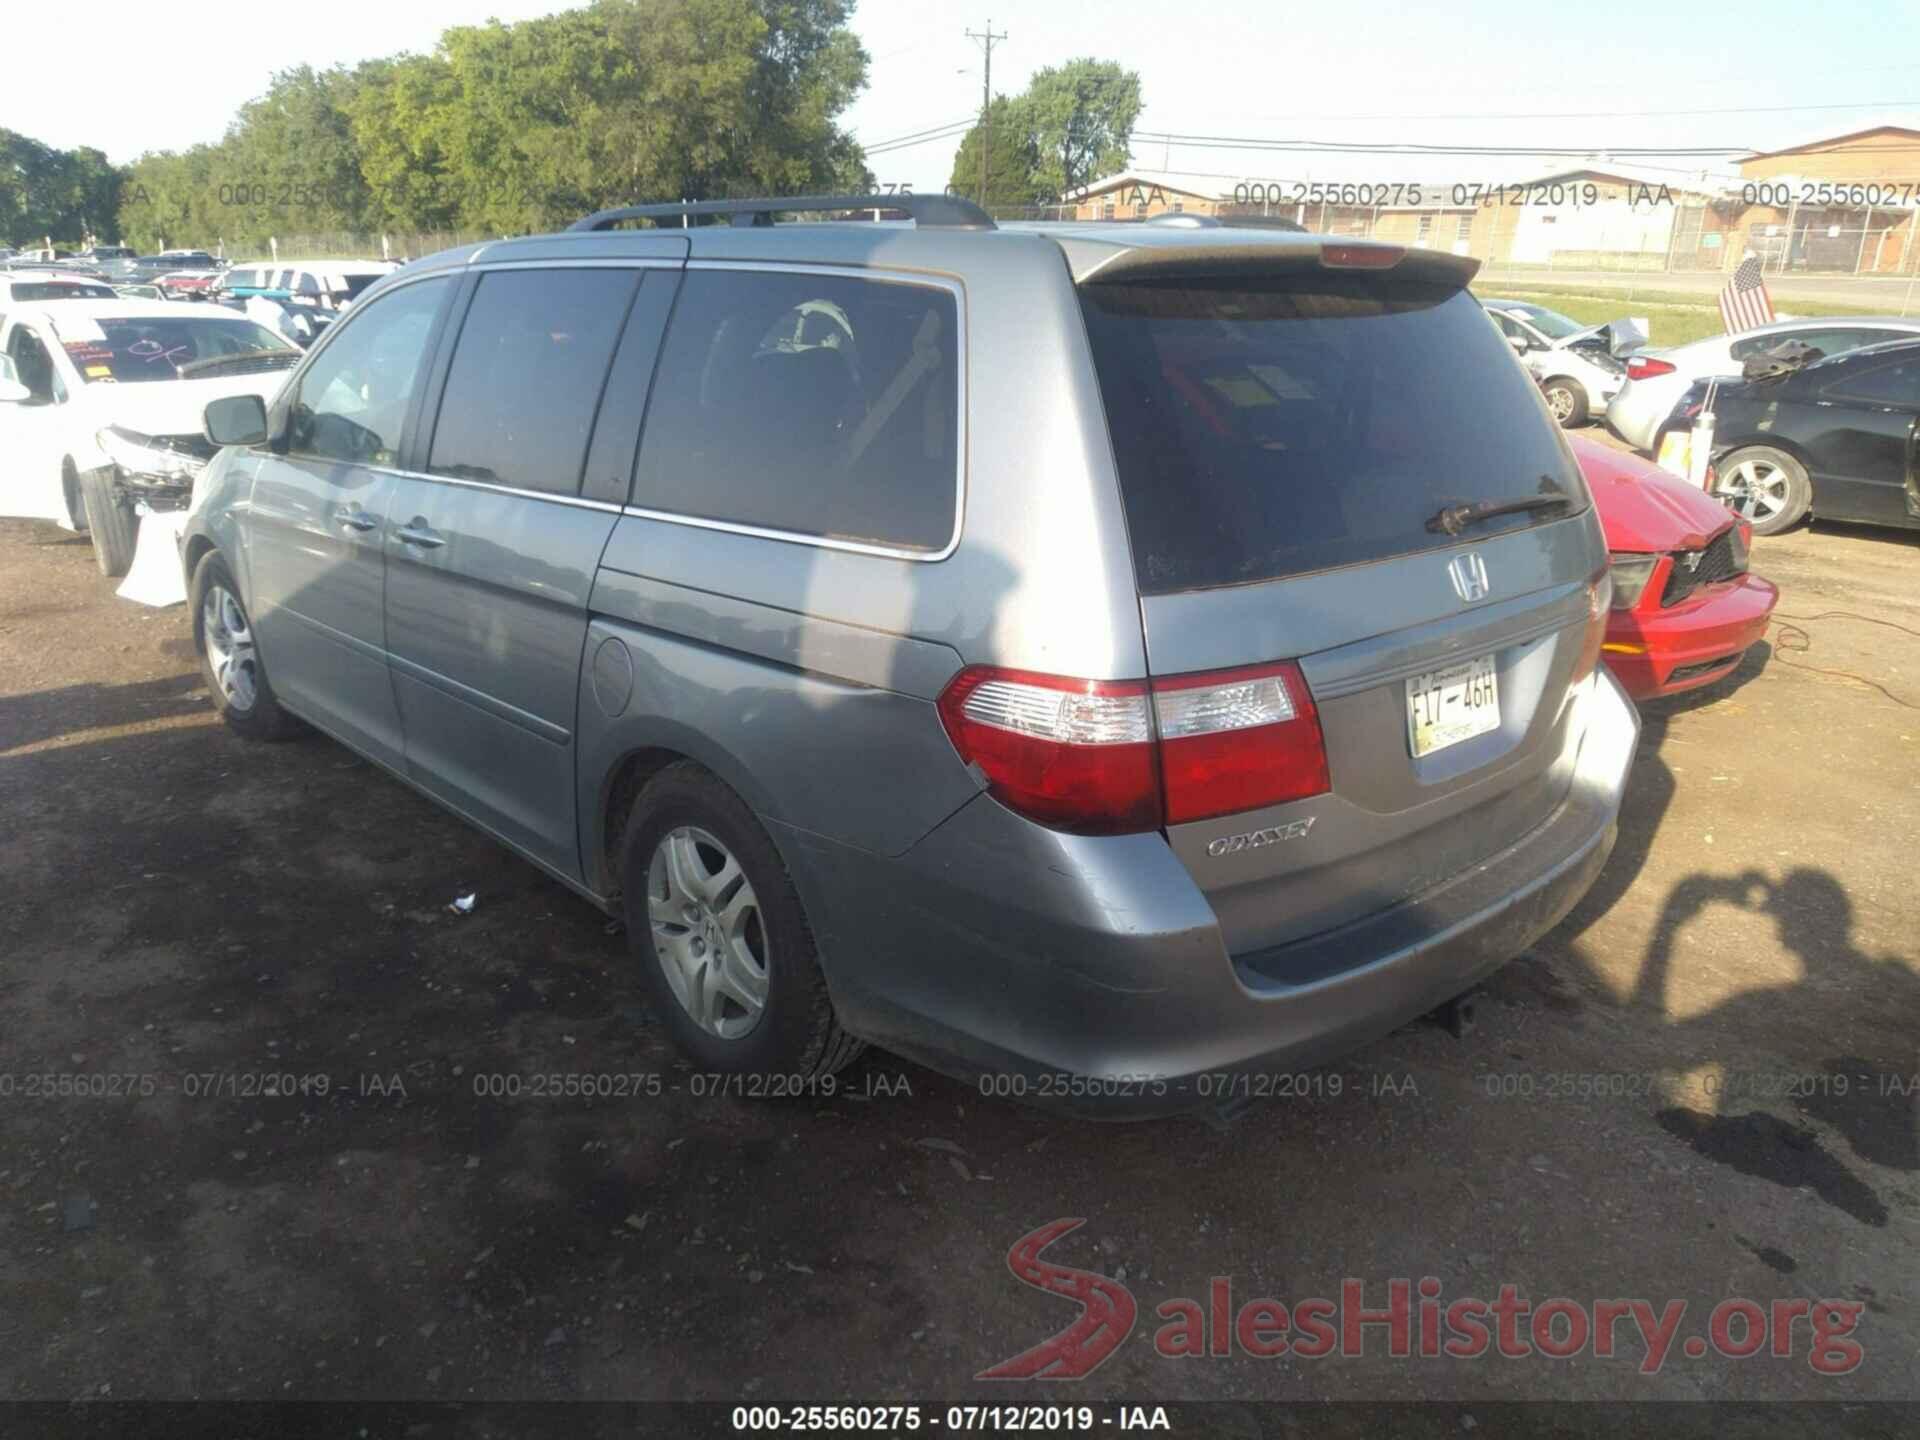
(1013, 159)
(1082, 114)
(1072, 124)
(510, 128)
(68, 195)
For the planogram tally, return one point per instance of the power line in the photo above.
(1612, 114)
(919, 136)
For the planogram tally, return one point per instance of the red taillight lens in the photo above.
(1075, 755)
(1641, 367)
(1234, 740)
(1110, 757)
(1361, 257)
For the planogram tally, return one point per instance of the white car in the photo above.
(37, 287)
(1656, 379)
(1575, 364)
(101, 410)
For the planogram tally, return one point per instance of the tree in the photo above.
(70, 195)
(1082, 115)
(1013, 158)
(508, 128)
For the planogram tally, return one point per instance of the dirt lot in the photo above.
(1650, 1108)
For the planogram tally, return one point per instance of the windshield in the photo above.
(59, 290)
(1266, 432)
(1550, 323)
(120, 348)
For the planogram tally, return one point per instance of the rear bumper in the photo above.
(1634, 414)
(1089, 972)
(1663, 652)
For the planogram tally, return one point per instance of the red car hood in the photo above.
(1643, 508)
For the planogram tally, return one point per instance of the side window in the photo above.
(818, 405)
(353, 400)
(527, 375)
(34, 366)
(305, 284)
(1895, 383)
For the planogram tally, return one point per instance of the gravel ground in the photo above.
(293, 1190)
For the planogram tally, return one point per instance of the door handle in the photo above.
(420, 534)
(357, 519)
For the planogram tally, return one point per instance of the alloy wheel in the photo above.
(708, 933)
(230, 651)
(1756, 490)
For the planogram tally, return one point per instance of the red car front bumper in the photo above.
(1654, 651)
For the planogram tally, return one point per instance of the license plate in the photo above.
(1447, 706)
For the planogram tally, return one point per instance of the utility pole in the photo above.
(986, 102)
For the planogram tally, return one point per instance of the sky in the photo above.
(1470, 72)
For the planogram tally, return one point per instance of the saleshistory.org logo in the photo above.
(1413, 1321)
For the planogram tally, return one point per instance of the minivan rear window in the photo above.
(1310, 422)
(811, 404)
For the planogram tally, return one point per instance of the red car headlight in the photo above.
(1630, 576)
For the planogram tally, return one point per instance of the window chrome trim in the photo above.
(597, 262)
(796, 537)
(961, 432)
(580, 502)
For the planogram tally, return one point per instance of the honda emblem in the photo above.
(1469, 575)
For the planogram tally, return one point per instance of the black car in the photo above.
(1805, 434)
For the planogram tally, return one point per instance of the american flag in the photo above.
(1744, 304)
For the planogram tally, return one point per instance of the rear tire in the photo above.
(723, 944)
(229, 658)
(1567, 400)
(111, 523)
(1764, 486)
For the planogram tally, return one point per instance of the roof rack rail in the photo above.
(937, 211)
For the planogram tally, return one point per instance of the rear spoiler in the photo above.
(1237, 256)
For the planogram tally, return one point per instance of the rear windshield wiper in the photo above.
(1455, 518)
(215, 362)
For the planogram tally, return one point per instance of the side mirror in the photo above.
(12, 392)
(237, 420)
(1519, 344)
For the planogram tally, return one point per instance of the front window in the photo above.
(353, 399)
(34, 367)
(127, 349)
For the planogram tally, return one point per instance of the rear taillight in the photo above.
(1643, 367)
(1599, 602)
(1109, 757)
(1234, 740)
(1072, 754)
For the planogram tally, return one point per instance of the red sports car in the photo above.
(1685, 606)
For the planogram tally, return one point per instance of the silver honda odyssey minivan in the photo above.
(1105, 656)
